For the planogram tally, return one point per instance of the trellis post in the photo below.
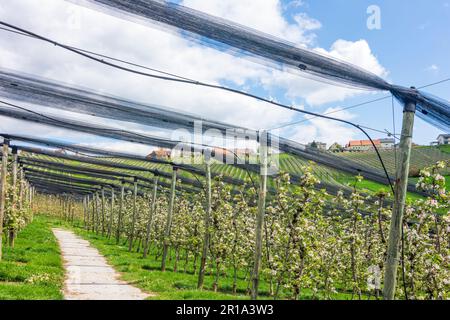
(21, 191)
(103, 211)
(133, 221)
(3, 187)
(169, 219)
(111, 215)
(401, 186)
(207, 219)
(261, 212)
(84, 212)
(151, 214)
(12, 231)
(87, 212)
(93, 213)
(96, 212)
(119, 221)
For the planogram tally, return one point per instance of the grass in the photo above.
(372, 187)
(33, 269)
(445, 148)
(169, 285)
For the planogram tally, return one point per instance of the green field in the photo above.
(170, 285)
(421, 156)
(33, 269)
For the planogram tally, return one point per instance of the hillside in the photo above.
(420, 157)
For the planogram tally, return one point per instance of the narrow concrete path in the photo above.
(88, 275)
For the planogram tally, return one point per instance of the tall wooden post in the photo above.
(151, 214)
(207, 219)
(12, 230)
(169, 219)
(3, 186)
(87, 213)
(401, 185)
(133, 220)
(261, 212)
(103, 211)
(96, 212)
(84, 212)
(21, 190)
(111, 214)
(119, 220)
(93, 213)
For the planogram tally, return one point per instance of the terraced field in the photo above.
(420, 157)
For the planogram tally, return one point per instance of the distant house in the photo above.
(387, 143)
(335, 147)
(160, 154)
(362, 145)
(317, 145)
(61, 151)
(222, 152)
(443, 139)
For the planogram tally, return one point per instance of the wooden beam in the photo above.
(167, 230)
(111, 214)
(395, 232)
(207, 220)
(151, 214)
(261, 212)
(119, 221)
(133, 220)
(3, 187)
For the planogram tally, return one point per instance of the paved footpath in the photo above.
(88, 275)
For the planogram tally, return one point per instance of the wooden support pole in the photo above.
(207, 220)
(12, 230)
(103, 211)
(133, 220)
(167, 230)
(93, 213)
(261, 212)
(3, 186)
(21, 190)
(84, 212)
(111, 214)
(88, 220)
(119, 221)
(97, 200)
(401, 185)
(151, 214)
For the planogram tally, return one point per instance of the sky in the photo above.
(409, 46)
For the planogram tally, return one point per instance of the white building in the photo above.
(443, 139)
(317, 145)
(387, 143)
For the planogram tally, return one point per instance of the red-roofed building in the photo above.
(362, 145)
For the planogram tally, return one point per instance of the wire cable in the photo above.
(167, 78)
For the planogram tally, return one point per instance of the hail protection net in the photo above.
(218, 32)
(42, 92)
(39, 91)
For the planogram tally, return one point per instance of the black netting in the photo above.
(218, 32)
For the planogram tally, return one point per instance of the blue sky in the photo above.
(413, 44)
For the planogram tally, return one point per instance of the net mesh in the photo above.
(218, 32)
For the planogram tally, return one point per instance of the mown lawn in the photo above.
(169, 285)
(33, 269)
(372, 187)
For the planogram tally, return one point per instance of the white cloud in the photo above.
(96, 31)
(318, 92)
(266, 16)
(433, 68)
(323, 130)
